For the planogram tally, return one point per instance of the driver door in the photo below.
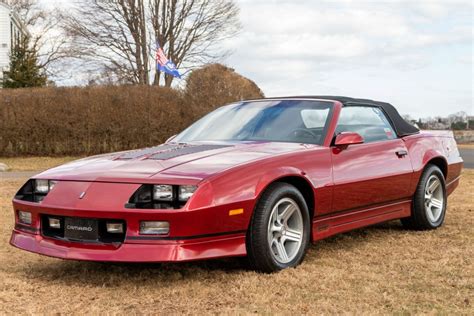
(377, 171)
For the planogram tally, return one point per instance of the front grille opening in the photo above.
(101, 236)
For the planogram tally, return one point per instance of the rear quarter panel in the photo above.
(426, 146)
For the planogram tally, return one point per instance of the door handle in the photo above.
(401, 153)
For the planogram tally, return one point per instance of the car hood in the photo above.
(191, 162)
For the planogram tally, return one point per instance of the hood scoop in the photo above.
(185, 150)
(147, 151)
(168, 151)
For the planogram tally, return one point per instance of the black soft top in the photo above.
(402, 127)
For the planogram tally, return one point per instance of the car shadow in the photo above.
(165, 274)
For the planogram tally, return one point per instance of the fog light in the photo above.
(154, 228)
(115, 228)
(54, 223)
(24, 217)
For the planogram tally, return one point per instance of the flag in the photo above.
(164, 64)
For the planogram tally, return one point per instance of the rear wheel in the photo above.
(280, 229)
(429, 203)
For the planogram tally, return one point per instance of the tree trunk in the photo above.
(168, 80)
(156, 80)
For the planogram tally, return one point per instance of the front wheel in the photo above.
(429, 203)
(279, 232)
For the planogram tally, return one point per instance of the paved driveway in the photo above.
(17, 175)
(467, 155)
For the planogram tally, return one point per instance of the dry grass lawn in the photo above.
(377, 270)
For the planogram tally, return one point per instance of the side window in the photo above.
(370, 122)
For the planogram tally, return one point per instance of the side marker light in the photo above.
(236, 212)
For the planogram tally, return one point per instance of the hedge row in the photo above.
(83, 121)
(71, 121)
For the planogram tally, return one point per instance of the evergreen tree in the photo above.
(24, 68)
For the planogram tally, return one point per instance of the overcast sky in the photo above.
(417, 55)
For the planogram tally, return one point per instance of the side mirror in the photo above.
(345, 139)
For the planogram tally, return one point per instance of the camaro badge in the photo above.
(82, 195)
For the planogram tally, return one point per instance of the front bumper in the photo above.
(202, 233)
(229, 244)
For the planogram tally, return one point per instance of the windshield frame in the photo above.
(325, 129)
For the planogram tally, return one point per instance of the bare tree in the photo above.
(120, 35)
(189, 30)
(111, 34)
(42, 24)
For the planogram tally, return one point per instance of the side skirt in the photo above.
(344, 221)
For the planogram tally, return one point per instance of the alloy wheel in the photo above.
(434, 198)
(285, 230)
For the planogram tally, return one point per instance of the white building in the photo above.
(11, 31)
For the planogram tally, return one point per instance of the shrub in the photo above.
(215, 85)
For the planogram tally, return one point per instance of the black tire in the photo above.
(260, 254)
(420, 217)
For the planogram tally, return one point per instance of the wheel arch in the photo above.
(305, 188)
(300, 182)
(440, 162)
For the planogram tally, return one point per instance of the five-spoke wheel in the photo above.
(434, 198)
(429, 202)
(285, 230)
(279, 232)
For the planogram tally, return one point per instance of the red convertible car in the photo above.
(260, 178)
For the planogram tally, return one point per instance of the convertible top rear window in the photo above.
(295, 121)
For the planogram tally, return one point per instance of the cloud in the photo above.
(305, 30)
(306, 46)
(466, 59)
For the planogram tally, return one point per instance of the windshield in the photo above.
(295, 121)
